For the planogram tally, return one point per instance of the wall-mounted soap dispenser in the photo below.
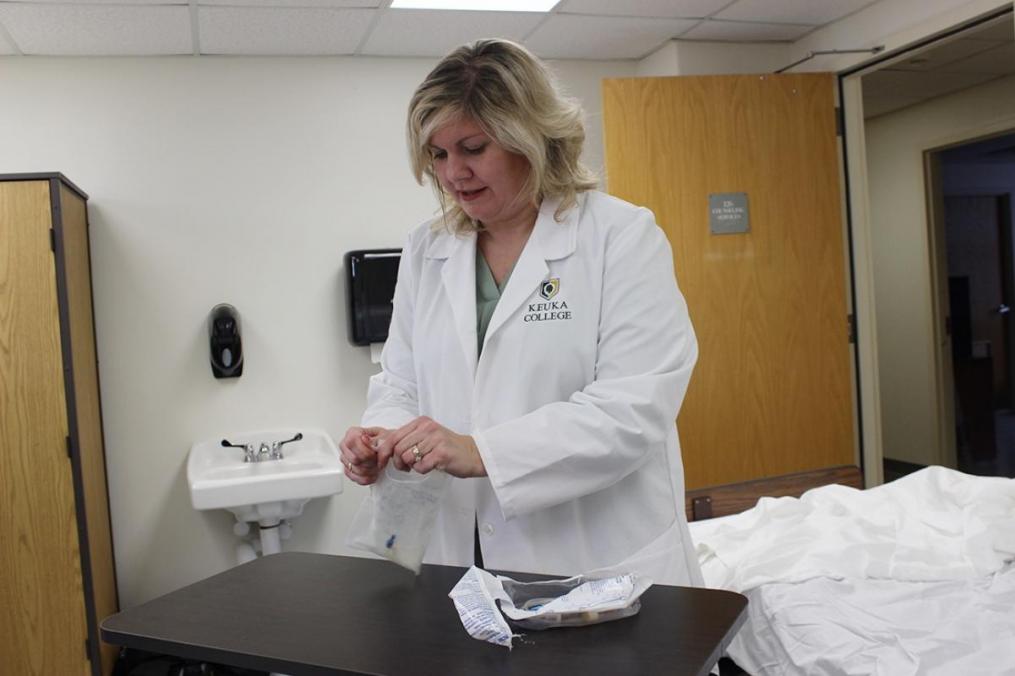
(226, 345)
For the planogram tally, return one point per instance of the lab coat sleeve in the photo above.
(610, 428)
(391, 395)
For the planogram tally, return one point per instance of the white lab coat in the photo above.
(572, 404)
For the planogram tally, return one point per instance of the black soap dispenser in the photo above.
(226, 345)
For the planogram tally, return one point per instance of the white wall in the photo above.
(895, 146)
(678, 57)
(225, 180)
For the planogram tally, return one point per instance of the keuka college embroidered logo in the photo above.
(551, 310)
(549, 288)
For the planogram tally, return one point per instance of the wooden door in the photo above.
(772, 392)
(42, 613)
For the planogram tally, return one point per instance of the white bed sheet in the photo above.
(913, 577)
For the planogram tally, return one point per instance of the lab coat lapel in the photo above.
(549, 240)
(458, 276)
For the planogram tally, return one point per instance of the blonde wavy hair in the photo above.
(516, 101)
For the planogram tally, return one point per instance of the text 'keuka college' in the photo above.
(547, 312)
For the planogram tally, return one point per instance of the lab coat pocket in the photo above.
(397, 518)
(663, 560)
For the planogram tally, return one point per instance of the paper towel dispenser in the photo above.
(370, 276)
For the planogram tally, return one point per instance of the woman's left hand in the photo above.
(424, 445)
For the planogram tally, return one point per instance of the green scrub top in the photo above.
(487, 295)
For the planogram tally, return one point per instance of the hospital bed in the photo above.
(913, 577)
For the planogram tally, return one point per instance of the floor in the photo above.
(1004, 463)
(1001, 464)
(142, 663)
(728, 667)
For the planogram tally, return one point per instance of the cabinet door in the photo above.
(86, 419)
(41, 601)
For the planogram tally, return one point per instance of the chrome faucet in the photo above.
(248, 450)
(264, 451)
(276, 447)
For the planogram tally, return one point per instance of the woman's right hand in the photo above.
(359, 454)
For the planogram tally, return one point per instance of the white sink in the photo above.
(266, 490)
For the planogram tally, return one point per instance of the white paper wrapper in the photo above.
(572, 602)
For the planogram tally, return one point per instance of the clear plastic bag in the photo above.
(398, 517)
(534, 596)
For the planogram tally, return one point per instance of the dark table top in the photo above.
(304, 614)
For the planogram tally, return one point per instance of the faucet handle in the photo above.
(248, 450)
(276, 447)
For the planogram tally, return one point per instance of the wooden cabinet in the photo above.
(56, 549)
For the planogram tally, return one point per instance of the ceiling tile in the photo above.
(676, 9)
(413, 32)
(106, 2)
(920, 85)
(566, 36)
(6, 47)
(886, 102)
(997, 61)
(943, 55)
(740, 31)
(813, 12)
(98, 30)
(281, 32)
(291, 4)
(1001, 30)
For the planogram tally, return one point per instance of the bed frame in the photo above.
(705, 503)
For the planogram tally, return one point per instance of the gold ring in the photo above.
(415, 452)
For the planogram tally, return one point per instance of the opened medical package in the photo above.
(571, 602)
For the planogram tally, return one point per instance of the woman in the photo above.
(539, 348)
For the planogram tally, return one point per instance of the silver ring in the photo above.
(348, 465)
(415, 452)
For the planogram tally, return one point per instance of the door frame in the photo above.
(859, 228)
(944, 376)
(862, 265)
